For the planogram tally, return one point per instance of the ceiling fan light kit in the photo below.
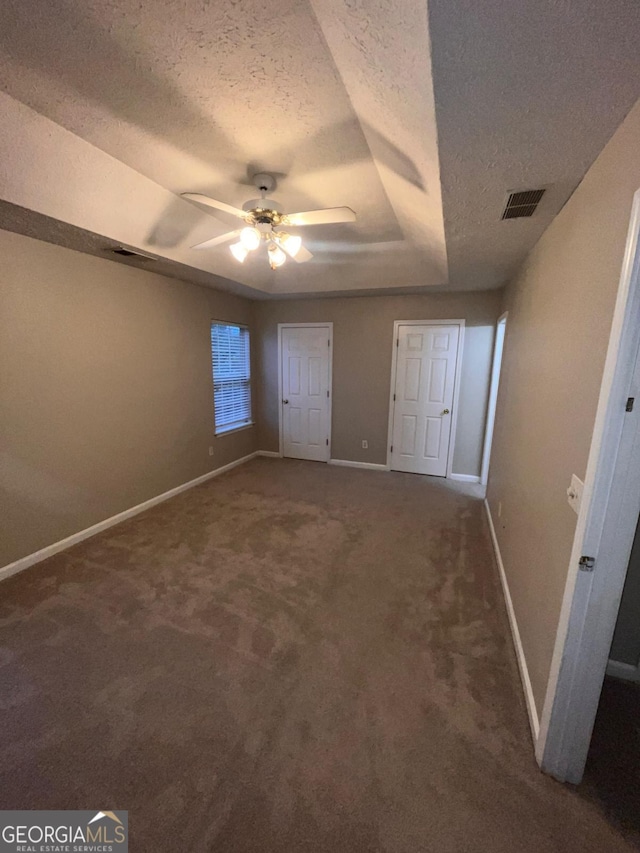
(262, 217)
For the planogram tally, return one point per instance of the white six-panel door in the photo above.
(423, 398)
(305, 380)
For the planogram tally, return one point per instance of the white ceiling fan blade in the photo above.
(198, 198)
(327, 216)
(216, 241)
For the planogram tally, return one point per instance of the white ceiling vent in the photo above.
(522, 203)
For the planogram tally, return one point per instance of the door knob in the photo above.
(445, 411)
(285, 402)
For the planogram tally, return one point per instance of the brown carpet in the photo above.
(291, 657)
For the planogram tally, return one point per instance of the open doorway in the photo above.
(498, 348)
(624, 657)
(613, 765)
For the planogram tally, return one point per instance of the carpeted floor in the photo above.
(291, 657)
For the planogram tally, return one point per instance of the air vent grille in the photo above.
(522, 204)
(129, 253)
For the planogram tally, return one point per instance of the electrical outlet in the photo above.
(211, 451)
(365, 444)
(499, 508)
(574, 493)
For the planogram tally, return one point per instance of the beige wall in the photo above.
(105, 382)
(560, 310)
(363, 333)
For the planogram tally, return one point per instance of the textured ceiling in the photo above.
(527, 95)
(114, 107)
(196, 96)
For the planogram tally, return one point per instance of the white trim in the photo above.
(392, 390)
(605, 530)
(347, 463)
(626, 671)
(75, 538)
(456, 384)
(456, 398)
(228, 430)
(329, 327)
(498, 349)
(515, 633)
(273, 453)
(465, 478)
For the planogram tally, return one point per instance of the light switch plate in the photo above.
(574, 493)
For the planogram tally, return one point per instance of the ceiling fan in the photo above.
(264, 221)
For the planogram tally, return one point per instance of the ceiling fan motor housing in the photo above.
(264, 182)
(264, 211)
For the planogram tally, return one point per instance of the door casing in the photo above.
(456, 387)
(496, 368)
(329, 328)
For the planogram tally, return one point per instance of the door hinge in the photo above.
(327, 442)
(630, 402)
(327, 393)
(586, 563)
(328, 343)
(392, 448)
(397, 342)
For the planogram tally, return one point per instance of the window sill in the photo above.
(229, 430)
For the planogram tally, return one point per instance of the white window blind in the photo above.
(231, 376)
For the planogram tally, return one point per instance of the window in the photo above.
(231, 376)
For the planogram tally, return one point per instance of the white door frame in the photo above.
(498, 349)
(456, 385)
(329, 328)
(605, 531)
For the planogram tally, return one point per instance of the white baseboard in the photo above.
(534, 721)
(273, 453)
(627, 671)
(347, 463)
(56, 547)
(374, 466)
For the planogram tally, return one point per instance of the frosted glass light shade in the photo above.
(238, 251)
(250, 238)
(291, 244)
(276, 256)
